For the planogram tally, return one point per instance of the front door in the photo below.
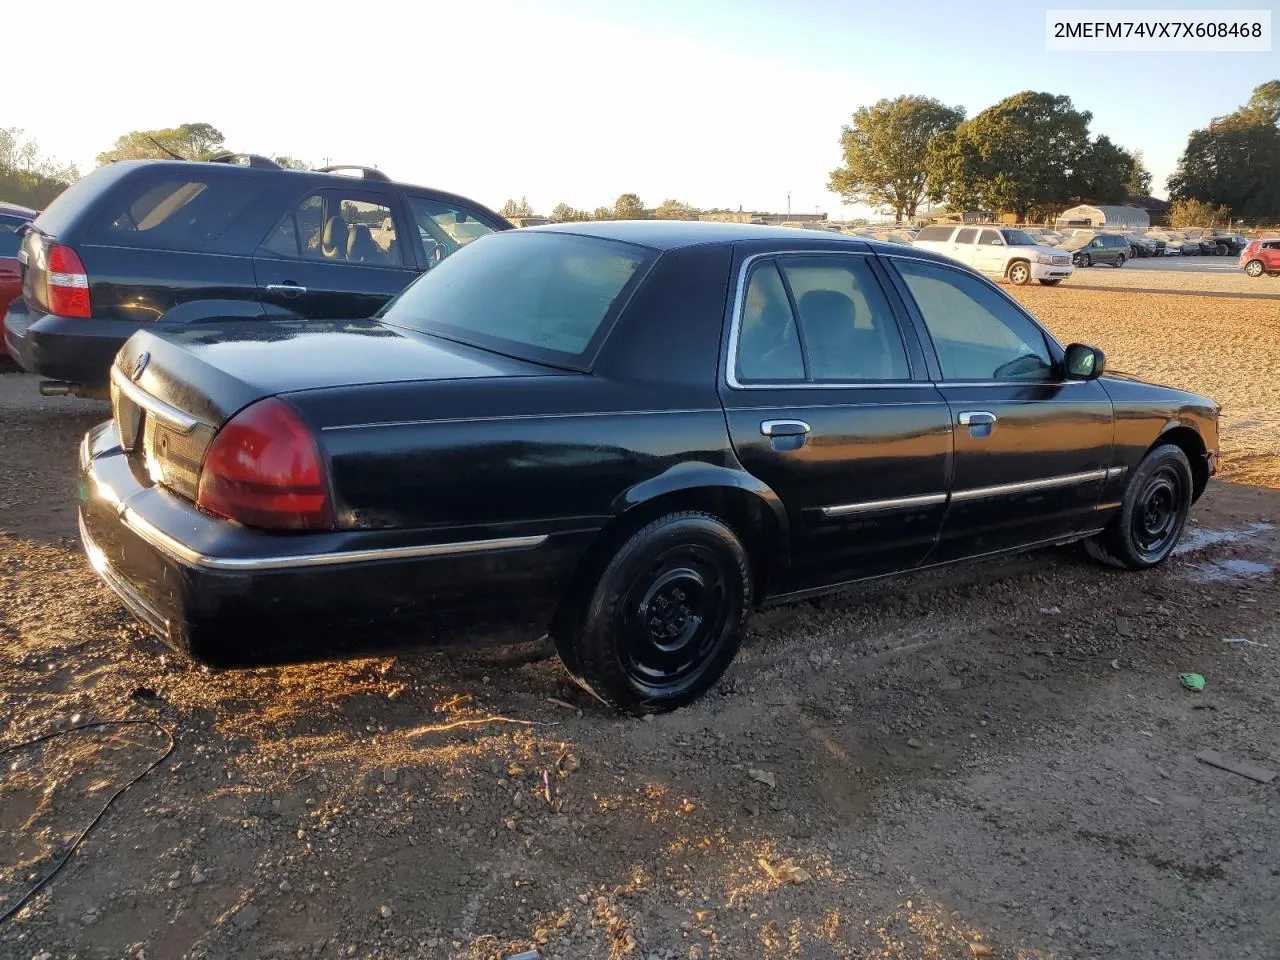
(1032, 450)
(337, 254)
(990, 253)
(828, 402)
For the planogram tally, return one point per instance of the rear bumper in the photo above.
(65, 348)
(228, 595)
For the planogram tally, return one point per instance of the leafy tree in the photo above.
(27, 177)
(629, 207)
(602, 213)
(190, 141)
(1029, 152)
(1140, 180)
(1194, 213)
(1102, 173)
(292, 163)
(885, 151)
(1233, 162)
(563, 213)
(513, 209)
(675, 210)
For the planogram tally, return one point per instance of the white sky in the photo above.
(711, 102)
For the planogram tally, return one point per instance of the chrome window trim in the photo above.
(517, 416)
(1028, 486)
(739, 303)
(897, 503)
(180, 420)
(179, 551)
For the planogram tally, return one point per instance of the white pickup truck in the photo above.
(998, 252)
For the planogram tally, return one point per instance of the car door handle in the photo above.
(288, 289)
(784, 428)
(979, 422)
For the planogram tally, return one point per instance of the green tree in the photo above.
(513, 209)
(1233, 162)
(27, 176)
(1139, 184)
(1102, 173)
(1022, 155)
(292, 163)
(563, 213)
(602, 213)
(1194, 213)
(885, 151)
(190, 141)
(675, 210)
(629, 207)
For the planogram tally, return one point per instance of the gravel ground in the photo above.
(996, 760)
(1174, 280)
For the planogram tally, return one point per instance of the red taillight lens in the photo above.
(68, 291)
(263, 469)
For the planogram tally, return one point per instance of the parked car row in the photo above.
(13, 221)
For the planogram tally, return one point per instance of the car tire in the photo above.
(1052, 283)
(1153, 513)
(1254, 268)
(1119, 261)
(1133, 253)
(1221, 250)
(1086, 261)
(665, 618)
(1019, 273)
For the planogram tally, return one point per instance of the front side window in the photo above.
(546, 297)
(330, 227)
(989, 238)
(978, 335)
(443, 227)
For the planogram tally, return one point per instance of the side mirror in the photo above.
(1083, 362)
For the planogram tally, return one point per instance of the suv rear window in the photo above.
(935, 233)
(546, 297)
(176, 213)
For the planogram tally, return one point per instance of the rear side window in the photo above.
(935, 233)
(768, 344)
(176, 213)
(966, 235)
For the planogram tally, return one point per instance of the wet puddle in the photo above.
(1197, 539)
(1217, 571)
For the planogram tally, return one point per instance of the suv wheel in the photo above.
(1086, 261)
(1253, 268)
(1221, 250)
(1020, 273)
(666, 617)
(1152, 514)
(1119, 261)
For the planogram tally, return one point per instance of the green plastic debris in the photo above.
(1192, 681)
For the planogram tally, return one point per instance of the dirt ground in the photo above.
(997, 760)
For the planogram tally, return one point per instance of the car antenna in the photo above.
(166, 149)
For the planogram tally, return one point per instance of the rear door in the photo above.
(963, 246)
(990, 252)
(336, 253)
(828, 402)
(1032, 450)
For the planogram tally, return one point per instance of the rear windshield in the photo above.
(546, 297)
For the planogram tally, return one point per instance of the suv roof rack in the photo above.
(370, 173)
(252, 160)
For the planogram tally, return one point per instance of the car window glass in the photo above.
(989, 238)
(935, 232)
(444, 227)
(175, 213)
(848, 327)
(768, 344)
(327, 226)
(9, 239)
(966, 235)
(977, 334)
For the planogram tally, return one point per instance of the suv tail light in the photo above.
(68, 292)
(263, 469)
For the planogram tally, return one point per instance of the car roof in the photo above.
(674, 234)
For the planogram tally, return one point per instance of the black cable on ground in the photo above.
(62, 861)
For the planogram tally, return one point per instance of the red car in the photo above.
(1261, 256)
(12, 219)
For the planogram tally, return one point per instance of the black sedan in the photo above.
(627, 434)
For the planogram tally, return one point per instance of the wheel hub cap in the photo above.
(672, 609)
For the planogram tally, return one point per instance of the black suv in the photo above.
(159, 244)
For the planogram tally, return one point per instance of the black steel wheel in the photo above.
(1153, 512)
(665, 619)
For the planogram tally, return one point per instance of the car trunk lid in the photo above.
(171, 393)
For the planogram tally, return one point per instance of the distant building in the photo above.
(1104, 217)
(1157, 209)
(772, 219)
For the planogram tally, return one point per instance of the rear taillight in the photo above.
(263, 469)
(68, 293)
